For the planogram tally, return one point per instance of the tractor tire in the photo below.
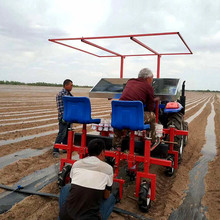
(144, 199)
(64, 176)
(176, 120)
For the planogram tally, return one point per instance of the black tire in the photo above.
(144, 199)
(169, 171)
(185, 138)
(176, 120)
(64, 176)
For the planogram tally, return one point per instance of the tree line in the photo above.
(35, 84)
(203, 90)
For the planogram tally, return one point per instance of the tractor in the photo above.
(137, 150)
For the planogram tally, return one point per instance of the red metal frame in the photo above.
(133, 37)
(130, 157)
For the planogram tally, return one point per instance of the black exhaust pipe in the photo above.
(183, 98)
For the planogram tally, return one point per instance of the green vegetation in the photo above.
(36, 84)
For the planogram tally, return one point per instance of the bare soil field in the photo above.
(212, 179)
(20, 118)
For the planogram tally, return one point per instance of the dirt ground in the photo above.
(170, 191)
(212, 179)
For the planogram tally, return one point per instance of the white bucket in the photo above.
(159, 130)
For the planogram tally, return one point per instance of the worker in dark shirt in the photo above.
(91, 181)
(139, 89)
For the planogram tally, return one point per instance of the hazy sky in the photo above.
(27, 55)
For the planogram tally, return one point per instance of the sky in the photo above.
(27, 55)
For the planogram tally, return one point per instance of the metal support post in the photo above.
(131, 151)
(122, 67)
(83, 142)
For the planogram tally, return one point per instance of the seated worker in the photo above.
(88, 196)
(139, 89)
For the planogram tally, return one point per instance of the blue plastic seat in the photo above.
(128, 115)
(78, 110)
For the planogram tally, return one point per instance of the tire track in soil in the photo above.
(38, 116)
(25, 167)
(27, 106)
(41, 208)
(33, 131)
(26, 125)
(189, 107)
(194, 110)
(211, 198)
(27, 116)
(35, 143)
(17, 168)
(2, 111)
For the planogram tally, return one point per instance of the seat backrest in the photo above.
(76, 109)
(127, 115)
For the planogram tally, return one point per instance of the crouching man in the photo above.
(88, 196)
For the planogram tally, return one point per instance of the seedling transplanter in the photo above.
(169, 112)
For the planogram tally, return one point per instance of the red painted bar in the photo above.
(117, 36)
(99, 47)
(176, 132)
(121, 182)
(181, 132)
(70, 144)
(132, 55)
(147, 156)
(122, 67)
(131, 158)
(143, 45)
(84, 39)
(75, 48)
(158, 76)
(184, 42)
(61, 146)
(158, 66)
(175, 54)
(161, 162)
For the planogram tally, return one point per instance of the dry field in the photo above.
(28, 128)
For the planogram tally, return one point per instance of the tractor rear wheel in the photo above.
(176, 120)
(64, 176)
